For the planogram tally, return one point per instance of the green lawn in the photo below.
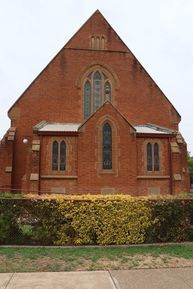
(15, 259)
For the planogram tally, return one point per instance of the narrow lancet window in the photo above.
(97, 91)
(55, 156)
(149, 157)
(102, 42)
(87, 99)
(98, 42)
(107, 146)
(156, 157)
(107, 90)
(62, 156)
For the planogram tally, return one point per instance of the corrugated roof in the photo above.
(148, 128)
(73, 127)
(57, 126)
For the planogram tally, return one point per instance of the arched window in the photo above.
(55, 156)
(102, 42)
(156, 157)
(58, 156)
(97, 92)
(149, 157)
(97, 89)
(97, 42)
(107, 91)
(107, 146)
(152, 157)
(62, 156)
(87, 99)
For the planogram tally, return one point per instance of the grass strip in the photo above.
(21, 259)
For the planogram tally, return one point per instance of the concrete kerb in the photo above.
(99, 246)
(178, 278)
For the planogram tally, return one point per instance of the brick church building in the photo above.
(94, 121)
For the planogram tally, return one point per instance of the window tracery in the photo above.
(97, 89)
(58, 156)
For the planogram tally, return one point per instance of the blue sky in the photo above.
(158, 32)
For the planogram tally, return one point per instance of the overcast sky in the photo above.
(158, 32)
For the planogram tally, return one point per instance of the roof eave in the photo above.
(155, 135)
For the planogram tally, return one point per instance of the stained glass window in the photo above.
(97, 90)
(107, 146)
(55, 156)
(156, 157)
(149, 157)
(87, 99)
(62, 156)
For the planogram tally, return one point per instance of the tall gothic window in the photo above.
(55, 156)
(62, 156)
(156, 157)
(97, 89)
(87, 99)
(58, 156)
(152, 157)
(107, 146)
(149, 157)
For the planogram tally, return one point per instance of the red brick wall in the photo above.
(57, 95)
(91, 177)
(6, 159)
(63, 180)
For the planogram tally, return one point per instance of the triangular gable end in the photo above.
(82, 39)
(95, 29)
(107, 102)
(78, 39)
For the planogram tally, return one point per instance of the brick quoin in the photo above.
(138, 113)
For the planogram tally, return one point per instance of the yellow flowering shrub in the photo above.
(103, 220)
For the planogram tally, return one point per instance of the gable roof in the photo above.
(93, 25)
(96, 15)
(101, 107)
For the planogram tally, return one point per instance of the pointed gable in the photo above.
(105, 110)
(59, 83)
(97, 34)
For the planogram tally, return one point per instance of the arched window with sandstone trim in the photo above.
(97, 42)
(97, 89)
(107, 147)
(87, 99)
(55, 156)
(102, 42)
(152, 157)
(62, 156)
(149, 157)
(59, 156)
(156, 157)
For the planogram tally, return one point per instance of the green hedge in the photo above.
(95, 220)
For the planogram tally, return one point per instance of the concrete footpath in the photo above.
(175, 278)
